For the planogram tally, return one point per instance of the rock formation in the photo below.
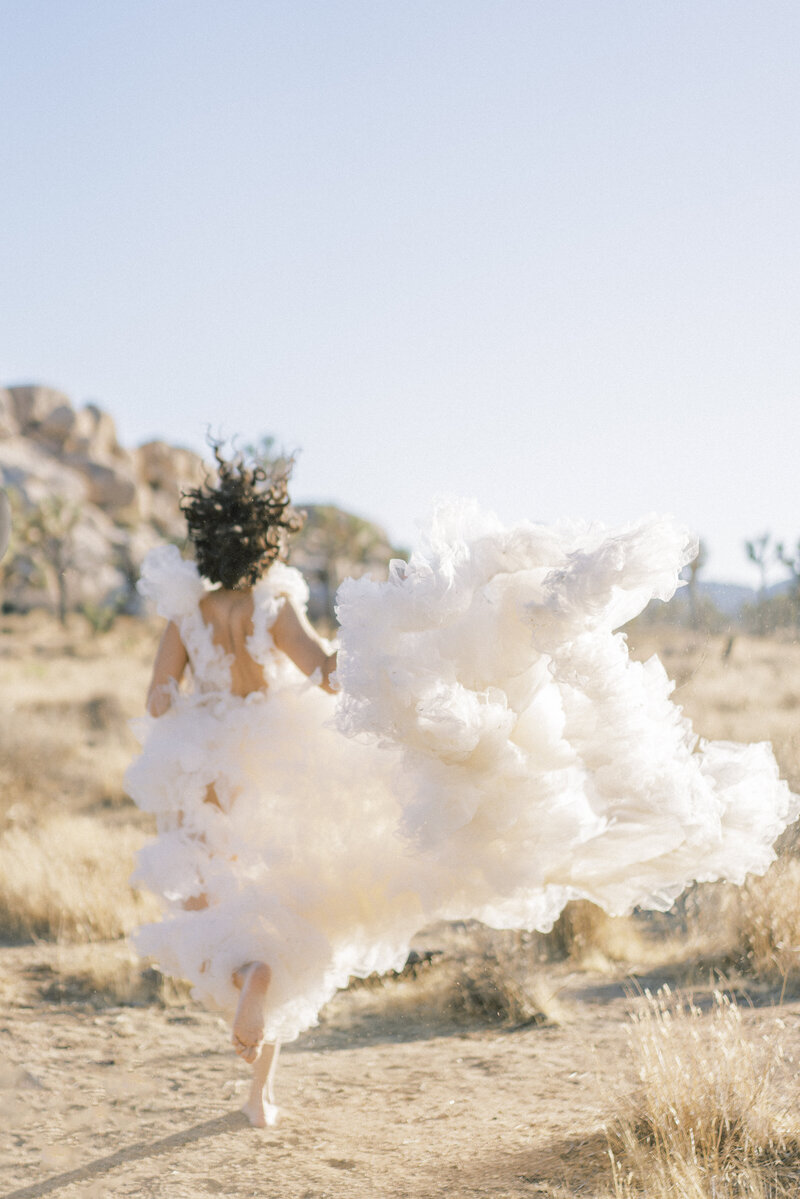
(65, 465)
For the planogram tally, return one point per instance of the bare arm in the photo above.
(293, 636)
(169, 666)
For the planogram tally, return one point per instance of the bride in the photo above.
(493, 753)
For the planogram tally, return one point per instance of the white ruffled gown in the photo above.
(301, 864)
(497, 754)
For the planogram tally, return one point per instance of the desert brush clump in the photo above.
(101, 975)
(714, 1111)
(481, 976)
(66, 878)
(766, 917)
(493, 992)
(496, 977)
(587, 935)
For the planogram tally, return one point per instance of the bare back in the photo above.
(229, 615)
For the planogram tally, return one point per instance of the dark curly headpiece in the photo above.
(239, 523)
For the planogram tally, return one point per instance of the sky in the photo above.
(543, 253)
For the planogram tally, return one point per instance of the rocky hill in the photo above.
(86, 510)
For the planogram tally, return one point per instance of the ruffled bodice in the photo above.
(175, 587)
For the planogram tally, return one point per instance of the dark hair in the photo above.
(239, 523)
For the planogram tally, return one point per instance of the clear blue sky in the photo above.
(542, 252)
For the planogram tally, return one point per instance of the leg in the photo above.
(260, 1107)
(197, 903)
(248, 1023)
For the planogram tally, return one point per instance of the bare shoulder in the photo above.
(288, 617)
(227, 606)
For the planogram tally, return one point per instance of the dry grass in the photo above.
(752, 930)
(67, 833)
(498, 990)
(476, 977)
(67, 878)
(593, 940)
(714, 1113)
(70, 754)
(104, 975)
(767, 922)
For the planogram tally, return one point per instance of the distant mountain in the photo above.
(730, 598)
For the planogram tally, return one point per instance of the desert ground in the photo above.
(495, 1065)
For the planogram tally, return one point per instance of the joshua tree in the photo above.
(758, 553)
(792, 563)
(265, 453)
(694, 569)
(43, 544)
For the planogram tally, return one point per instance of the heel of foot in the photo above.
(261, 1115)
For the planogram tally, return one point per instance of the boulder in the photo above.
(9, 425)
(33, 405)
(94, 435)
(112, 488)
(57, 425)
(29, 469)
(172, 469)
(164, 472)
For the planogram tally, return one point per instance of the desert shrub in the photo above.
(101, 975)
(498, 991)
(767, 922)
(67, 878)
(495, 977)
(100, 617)
(592, 938)
(484, 976)
(580, 927)
(710, 1116)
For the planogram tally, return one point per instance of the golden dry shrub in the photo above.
(767, 915)
(66, 878)
(714, 1113)
(103, 974)
(587, 935)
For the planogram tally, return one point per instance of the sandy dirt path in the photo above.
(143, 1102)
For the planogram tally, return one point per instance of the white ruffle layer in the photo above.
(502, 756)
(539, 763)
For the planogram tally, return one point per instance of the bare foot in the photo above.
(261, 1114)
(260, 1108)
(248, 1023)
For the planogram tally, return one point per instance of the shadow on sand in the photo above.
(133, 1153)
(698, 980)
